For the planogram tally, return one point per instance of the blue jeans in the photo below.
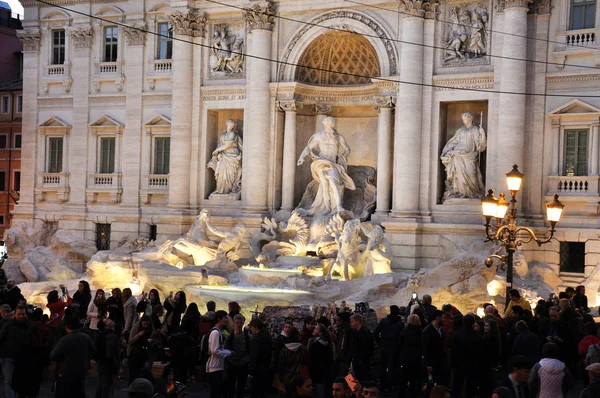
(8, 368)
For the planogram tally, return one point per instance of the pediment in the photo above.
(575, 107)
(55, 121)
(106, 121)
(158, 120)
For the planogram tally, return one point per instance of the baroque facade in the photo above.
(124, 108)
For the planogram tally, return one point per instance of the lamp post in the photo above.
(505, 229)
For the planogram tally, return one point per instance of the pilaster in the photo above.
(385, 156)
(288, 178)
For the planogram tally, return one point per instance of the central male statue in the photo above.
(329, 153)
(461, 158)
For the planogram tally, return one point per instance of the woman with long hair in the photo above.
(411, 354)
(97, 309)
(492, 346)
(190, 321)
(147, 303)
(83, 296)
(114, 305)
(57, 307)
(139, 347)
(129, 313)
(320, 358)
(175, 307)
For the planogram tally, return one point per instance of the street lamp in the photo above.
(508, 233)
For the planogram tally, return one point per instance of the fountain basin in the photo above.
(272, 276)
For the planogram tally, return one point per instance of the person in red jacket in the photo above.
(57, 307)
(590, 337)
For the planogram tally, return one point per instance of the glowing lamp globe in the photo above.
(514, 179)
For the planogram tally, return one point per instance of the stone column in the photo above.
(82, 37)
(30, 140)
(187, 24)
(321, 110)
(385, 155)
(407, 141)
(594, 152)
(133, 134)
(512, 79)
(255, 162)
(288, 175)
(555, 147)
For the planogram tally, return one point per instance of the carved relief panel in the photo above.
(228, 44)
(466, 37)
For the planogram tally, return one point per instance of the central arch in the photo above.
(354, 23)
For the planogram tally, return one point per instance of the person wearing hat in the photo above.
(593, 389)
(177, 390)
(140, 388)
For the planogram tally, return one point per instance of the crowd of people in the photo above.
(417, 350)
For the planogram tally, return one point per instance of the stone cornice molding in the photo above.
(289, 105)
(421, 8)
(325, 96)
(81, 36)
(135, 34)
(508, 4)
(260, 17)
(189, 23)
(472, 80)
(30, 39)
(559, 78)
(383, 102)
(220, 93)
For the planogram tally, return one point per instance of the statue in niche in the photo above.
(468, 37)
(227, 50)
(461, 157)
(329, 153)
(226, 161)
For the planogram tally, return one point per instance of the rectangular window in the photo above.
(18, 141)
(111, 37)
(153, 232)
(3, 141)
(2, 219)
(58, 47)
(55, 155)
(107, 155)
(162, 148)
(20, 103)
(103, 236)
(165, 41)
(576, 153)
(17, 181)
(2, 180)
(583, 14)
(5, 105)
(572, 256)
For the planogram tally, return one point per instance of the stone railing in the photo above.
(56, 71)
(574, 186)
(109, 68)
(102, 180)
(160, 66)
(52, 179)
(158, 181)
(578, 39)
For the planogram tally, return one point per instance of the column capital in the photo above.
(30, 39)
(383, 102)
(322, 109)
(189, 23)
(289, 105)
(135, 34)
(508, 4)
(81, 36)
(421, 8)
(260, 16)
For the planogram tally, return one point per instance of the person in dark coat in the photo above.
(411, 353)
(107, 358)
(279, 342)
(526, 343)
(387, 335)
(12, 295)
(72, 354)
(238, 342)
(320, 357)
(433, 349)
(343, 332)
(116, 314)
(491, 345)
(516, 382)
(593, 389)
(147, 303)
(175, 307)
(429, 309)
(465, 357)
(361, 348)
(307, 330)
(261, 347)
(83, 296)
(190, 321)
(293, 360)
(16, 348)
(27, 377)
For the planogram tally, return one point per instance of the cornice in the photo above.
(471, 80)
(223, 93)
(559, 78)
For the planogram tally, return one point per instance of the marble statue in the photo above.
(226, 161)
(348, 256)
(227, 50)
(467, 38)
(461, 157)
(329, 153)
(197, 244)
(280, 239)
(378, 250)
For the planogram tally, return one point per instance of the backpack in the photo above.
(204, 349)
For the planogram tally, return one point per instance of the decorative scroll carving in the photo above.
(504, 4)
(382, 101)
(290, 105)
(260, 16)
(135, 34)
(82, 36)
(322, 109)
(422, 8)
(466, 40)
(30, 39)
(189, 23)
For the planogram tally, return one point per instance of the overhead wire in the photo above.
(279, 62)
(334, 28)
